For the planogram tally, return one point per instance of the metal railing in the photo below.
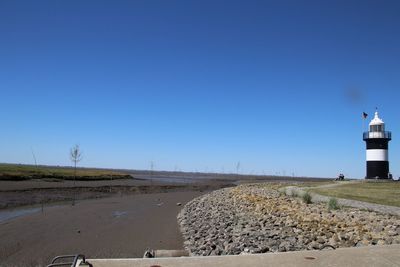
(372, 135)
(77, 260)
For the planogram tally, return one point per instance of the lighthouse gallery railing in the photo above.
(371, 135)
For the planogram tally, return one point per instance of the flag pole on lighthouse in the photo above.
(364, 116)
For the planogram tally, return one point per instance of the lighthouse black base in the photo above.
(377, 170)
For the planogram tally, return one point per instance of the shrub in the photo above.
(307, 198)
(333, 204)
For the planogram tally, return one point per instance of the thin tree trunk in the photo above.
(74, 189)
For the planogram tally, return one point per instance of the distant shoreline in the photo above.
(19, 172)
(161, 173)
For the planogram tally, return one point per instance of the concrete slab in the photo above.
(363, 256)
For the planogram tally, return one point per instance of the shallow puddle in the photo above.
(6, 215)
(118, 214)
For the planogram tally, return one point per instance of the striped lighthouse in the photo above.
(377, 140)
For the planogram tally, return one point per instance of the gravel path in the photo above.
(294, 190)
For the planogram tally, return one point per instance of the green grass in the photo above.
(17, 172)
(385, 193)
(333, 204)
(307, 198)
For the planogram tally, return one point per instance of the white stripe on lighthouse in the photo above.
(377, 155)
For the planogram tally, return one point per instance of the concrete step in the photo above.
(362, 256)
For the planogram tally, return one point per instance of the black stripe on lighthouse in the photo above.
(377, 144)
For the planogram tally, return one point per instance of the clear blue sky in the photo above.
(199, 85)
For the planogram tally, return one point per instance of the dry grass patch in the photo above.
(25, 172)
(385, 192)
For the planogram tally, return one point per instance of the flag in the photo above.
(365, 115)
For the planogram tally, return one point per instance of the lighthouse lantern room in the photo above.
(377, 140)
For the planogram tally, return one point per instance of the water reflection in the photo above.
(6, 215)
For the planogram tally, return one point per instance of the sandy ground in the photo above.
(103, 228)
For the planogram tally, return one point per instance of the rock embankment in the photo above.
(258, 219)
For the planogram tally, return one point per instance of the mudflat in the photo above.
(110, 218)
(37, 192)
(119, 226)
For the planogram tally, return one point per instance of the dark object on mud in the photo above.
(164, 253)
